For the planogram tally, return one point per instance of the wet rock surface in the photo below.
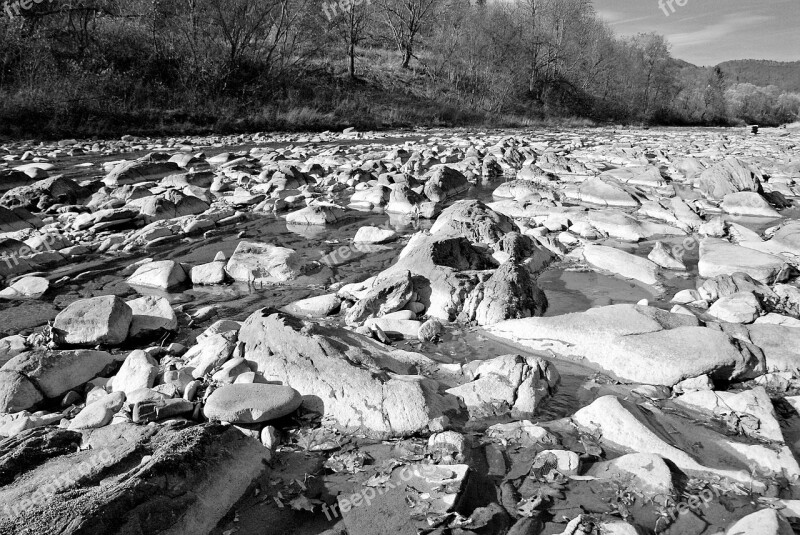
(523, 332)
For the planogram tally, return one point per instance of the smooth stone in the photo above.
(162, 275)
(621, 263)
(251, 403)
(138, 371)
(98, 320)
(374, 235)
(98, 413)
(315, 307)
(741, 307)
(151, 315)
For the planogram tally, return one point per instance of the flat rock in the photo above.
(98, 320)
(151, 315)
(337, 372)
(262, 262)
(719, 257)
(741, 307)
(621, 263)
(637, 344)
(162, 275)
(251, 403)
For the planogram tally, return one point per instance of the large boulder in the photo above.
(442, 182)
(56, 372)
(262, 262)
(472, 220)
(719, 257)
(142, 170)
(748, 203)
(125, 478)
(638, 344)
(442, 270)
(98, 320)
(510, 293)
(139, 370)
(690, 445)
(341, 375)
(602, 192)
(42, 194)
(729, 176)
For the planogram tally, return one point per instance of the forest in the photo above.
(105, 67)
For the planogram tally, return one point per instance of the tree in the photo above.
(405, 19)
(351, 20)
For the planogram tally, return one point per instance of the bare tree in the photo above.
(351, 21)
(405, 20)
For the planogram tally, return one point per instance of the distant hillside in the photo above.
(785, 75)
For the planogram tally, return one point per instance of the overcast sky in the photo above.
(708, 32)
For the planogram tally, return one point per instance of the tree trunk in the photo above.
(406, 57)
(352, 67)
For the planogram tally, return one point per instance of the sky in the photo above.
(708, 32)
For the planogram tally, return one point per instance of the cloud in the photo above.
(713, 33)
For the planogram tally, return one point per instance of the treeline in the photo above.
(101, 67)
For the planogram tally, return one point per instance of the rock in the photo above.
(17, 393)
(141, 170)
(781, 345)
(748, 203)
(192, 496)
(764, 522)
(510, 293)
(374, 235)
(151, 315)
(10, 347)
(395, 328)
(98, 320)
(473, 220)
(754, 402)
(43, 194)
(601, 192)
(251, 403)
(617, 225)
(161, 409)
(441, 272)
(663, 257)
(638, 344)
(508, 384)
(718, 257)
(443, 182)
(263, 263)
(317, 214)
(98, 413)
(692, 447)
(342, 375)
(138, 371)
(547, 461)
(316, 307)
(26, 288)
(162, 275)
(742, 307)
(430, 330)
(621, 263)
(231, 370)
(57, 372)
(701, 382)
(209, 274)
(728, 176)
(210, 353)
(386, 294)
(646, 472)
